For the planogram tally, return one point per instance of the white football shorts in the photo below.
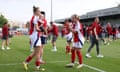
(35, 39)
(69, 36)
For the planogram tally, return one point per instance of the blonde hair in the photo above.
(76, 16)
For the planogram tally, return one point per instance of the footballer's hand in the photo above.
(97, 38)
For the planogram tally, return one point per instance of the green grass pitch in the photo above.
(11, 61)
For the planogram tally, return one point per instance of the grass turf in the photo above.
(56, 61)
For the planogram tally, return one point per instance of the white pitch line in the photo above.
(91, 67)
(94, 68)
(88, 66)
(10, 64)
(57, 61)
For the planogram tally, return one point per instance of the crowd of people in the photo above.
(102, 33)
(39, 32)
(107, 32)
(73, 30)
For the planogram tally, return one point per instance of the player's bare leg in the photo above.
(3, 44)
(28, 59)
(7, 44)
(54, 46)
(38, 54)
(41, 55)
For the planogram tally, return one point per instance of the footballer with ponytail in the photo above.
(35, 39)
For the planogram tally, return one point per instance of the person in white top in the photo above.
(78, 41)
(35, 40)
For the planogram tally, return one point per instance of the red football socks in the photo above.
(37, 63)
(79, 57)
(67, 49)
(29, 59)
(73, 55)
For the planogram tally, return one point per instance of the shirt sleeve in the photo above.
(35, 21)
(77, 28)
